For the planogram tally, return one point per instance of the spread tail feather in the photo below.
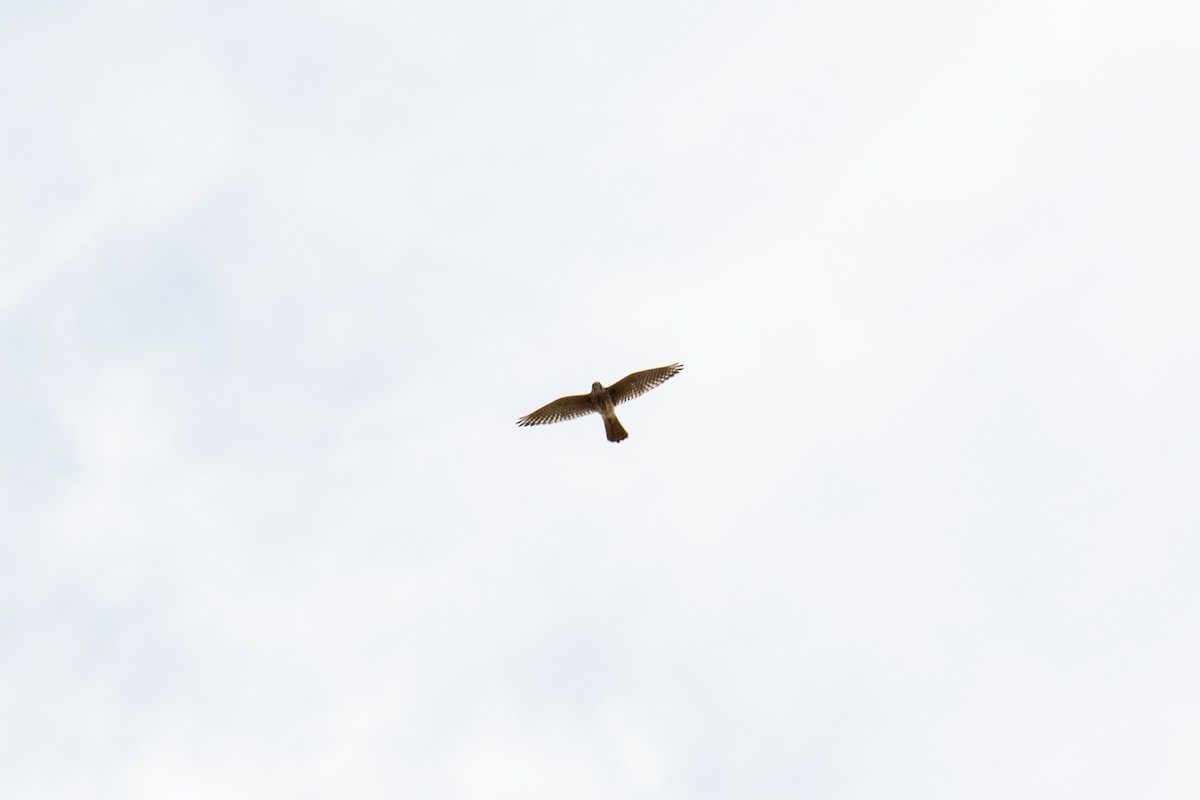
(615, 430)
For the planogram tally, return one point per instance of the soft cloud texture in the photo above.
(918, 520)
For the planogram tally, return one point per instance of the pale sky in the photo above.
(918, 520)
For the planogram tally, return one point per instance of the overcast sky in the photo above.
(918, 520)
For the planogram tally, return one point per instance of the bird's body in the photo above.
(602, 401)
(607, 407)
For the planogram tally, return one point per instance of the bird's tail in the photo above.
(615, 430)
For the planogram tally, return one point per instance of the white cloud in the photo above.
(915, 520)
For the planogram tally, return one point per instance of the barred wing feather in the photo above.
(564, 408)
(639, 383)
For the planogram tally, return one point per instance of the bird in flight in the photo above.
(603, 401)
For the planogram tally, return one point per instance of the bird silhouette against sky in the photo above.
(603, 401)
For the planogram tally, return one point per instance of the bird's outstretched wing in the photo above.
(569, 407)
(639, 383)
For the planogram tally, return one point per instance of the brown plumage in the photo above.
(603, 401)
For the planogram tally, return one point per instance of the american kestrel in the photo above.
(603, 401)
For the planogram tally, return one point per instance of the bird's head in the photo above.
(597, 387)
